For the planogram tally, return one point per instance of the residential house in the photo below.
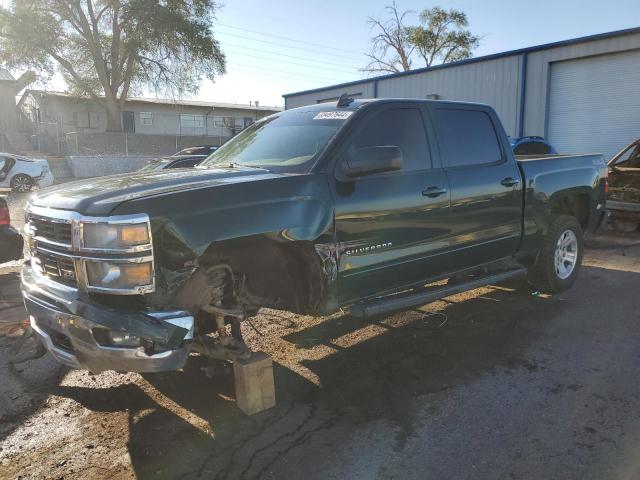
(59, 113)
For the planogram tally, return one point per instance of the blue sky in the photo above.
(335, 33)
(280, 46)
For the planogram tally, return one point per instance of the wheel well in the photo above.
(576, 205)
(20, 174)
(289, 276)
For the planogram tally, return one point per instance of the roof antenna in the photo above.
(345, 100)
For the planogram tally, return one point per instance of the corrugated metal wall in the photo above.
(538, 65)
(360, 90)
(494, 82)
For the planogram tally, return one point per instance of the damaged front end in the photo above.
(83, 290)
(81, 333)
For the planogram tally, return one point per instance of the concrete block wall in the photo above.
(112, 143)
(83, 166)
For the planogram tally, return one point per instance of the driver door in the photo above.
(390, 226)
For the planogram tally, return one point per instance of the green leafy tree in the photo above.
(441, 36)
(110, 49)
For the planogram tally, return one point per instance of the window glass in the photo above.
(286, 142)
(630, 158)
(146, 118)
(2, 164)
(187, 163)
(467, 137)
(192, 121)
(401, 127)
(532, 148)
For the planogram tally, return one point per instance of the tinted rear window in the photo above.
(532, 148)
(467, 137)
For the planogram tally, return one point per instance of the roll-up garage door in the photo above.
(594, 103)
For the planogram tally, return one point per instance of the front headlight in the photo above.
(114, 236)
(119, 276)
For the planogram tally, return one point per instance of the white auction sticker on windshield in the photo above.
(338, 115)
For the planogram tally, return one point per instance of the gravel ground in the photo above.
(500, 382)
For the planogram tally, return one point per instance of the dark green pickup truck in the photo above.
(360, 205)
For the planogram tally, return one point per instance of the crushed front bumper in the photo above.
(67, 325)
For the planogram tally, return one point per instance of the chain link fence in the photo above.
(123, 143)
(146, 133)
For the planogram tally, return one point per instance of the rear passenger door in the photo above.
(390, 226)
(486, 186)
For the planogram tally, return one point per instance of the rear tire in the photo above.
(560, 257)
(21, 183)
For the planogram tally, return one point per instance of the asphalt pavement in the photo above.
(498, 383)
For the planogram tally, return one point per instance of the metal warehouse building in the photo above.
(581, 94)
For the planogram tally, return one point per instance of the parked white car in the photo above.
(21, 174)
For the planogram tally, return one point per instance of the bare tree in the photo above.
(441, 36)
(390, 48)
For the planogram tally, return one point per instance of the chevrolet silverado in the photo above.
(369, 206)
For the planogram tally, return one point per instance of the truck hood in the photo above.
(99, 196)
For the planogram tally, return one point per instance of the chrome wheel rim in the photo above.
(22, 184)
(566, 255)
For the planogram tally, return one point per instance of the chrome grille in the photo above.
(56, 268)
(51, 231)
(58, 252)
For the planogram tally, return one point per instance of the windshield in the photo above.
(286, 142)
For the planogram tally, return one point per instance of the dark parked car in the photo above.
(623, 198)
(182, 161)
(11, 242)
(531, 146)
(367, 206)
(205, 150)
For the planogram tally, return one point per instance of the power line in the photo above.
(288, 39)
(351, 57)
(288, 56)
(287, 46)
(276, 75)
(285, 72)
(280, 20)
(293, 63)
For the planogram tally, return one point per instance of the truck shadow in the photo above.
(186, 425)
(366, 376)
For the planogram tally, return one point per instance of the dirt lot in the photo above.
(500, 382)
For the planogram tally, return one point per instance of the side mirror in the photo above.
(368, 160)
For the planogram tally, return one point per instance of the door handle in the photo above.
(433, 192)
(510, 182)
